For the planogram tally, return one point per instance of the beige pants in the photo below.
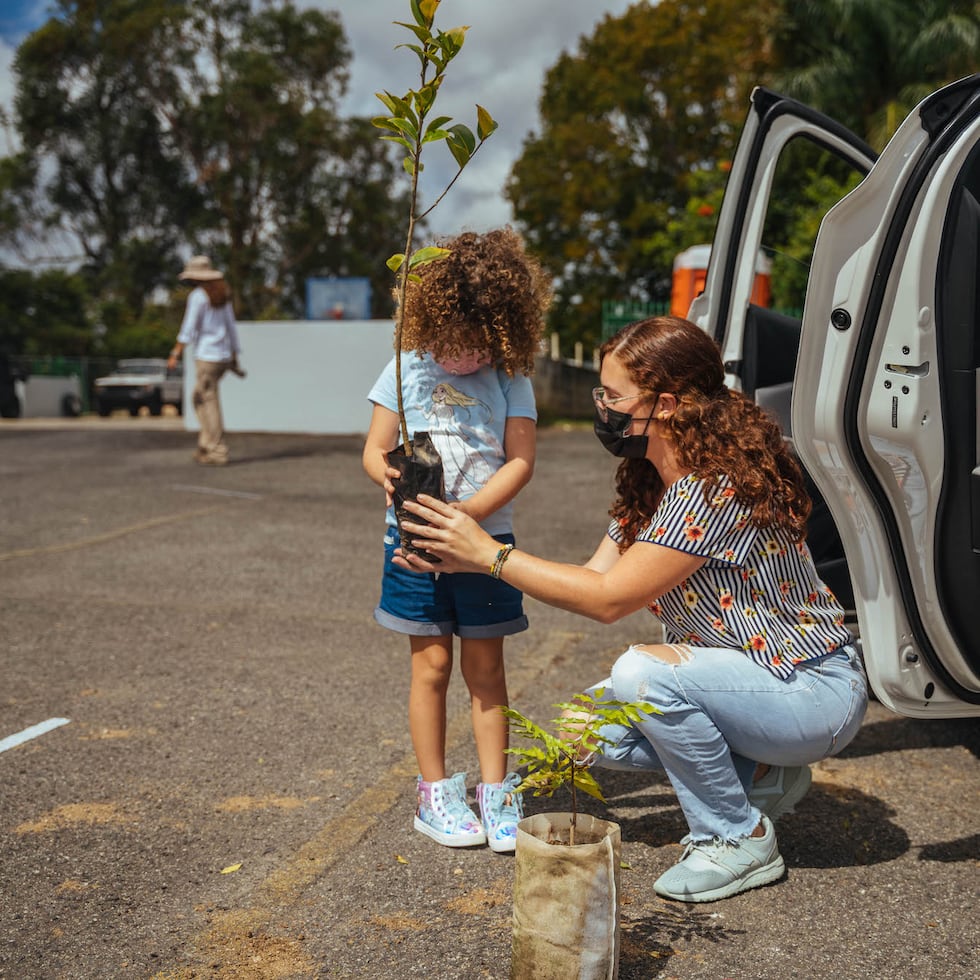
(210, 440)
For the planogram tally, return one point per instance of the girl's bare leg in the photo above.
(482, 663)
(432, 665)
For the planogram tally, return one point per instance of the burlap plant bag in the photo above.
(421, 472)
(566, 899)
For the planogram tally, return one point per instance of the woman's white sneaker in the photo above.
(710, 870)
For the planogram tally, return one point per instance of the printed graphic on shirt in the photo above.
(459, 425)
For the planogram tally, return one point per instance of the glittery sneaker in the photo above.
(713, 869)
(501, 808)
(443, 813)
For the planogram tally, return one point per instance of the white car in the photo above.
(136, 382)
(878, 382)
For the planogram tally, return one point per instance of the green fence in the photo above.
(616, 314)
(86, 369)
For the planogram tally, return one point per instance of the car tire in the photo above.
(134, 410)
(71, 406)
(103, 409)
(10, 408)
(156, 404)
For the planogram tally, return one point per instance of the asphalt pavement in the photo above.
(226, 789)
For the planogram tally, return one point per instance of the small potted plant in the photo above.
(411, 123)
(566, 876)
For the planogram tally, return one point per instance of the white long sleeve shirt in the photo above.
(211, 331)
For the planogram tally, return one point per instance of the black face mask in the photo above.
(612, 434)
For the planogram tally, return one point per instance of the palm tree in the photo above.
(868, 63)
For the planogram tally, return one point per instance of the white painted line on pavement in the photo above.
(217, 492)
(33, 732)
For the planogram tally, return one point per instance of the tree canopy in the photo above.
(155, 128)
(650, 100)
(639, 124)
(868, 63)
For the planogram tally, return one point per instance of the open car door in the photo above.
(784, 150)
(877, 383)
(885, 403)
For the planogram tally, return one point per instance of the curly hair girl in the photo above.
(719, 433)
(488, 295)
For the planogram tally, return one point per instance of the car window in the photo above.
(809, 180)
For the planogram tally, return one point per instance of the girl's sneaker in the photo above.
(501, 808)
(443, 814)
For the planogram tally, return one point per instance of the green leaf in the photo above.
(399, 139)
(436, 134)
(465, 137)
(397, 106)
(420, 52)
(424, 256)
(585, 781)
(383, 122)
(427, 9)
(437, 123)
(395, 261)
(451, 41)
(426, 96)
(422, 33)
(485, 123)
(460, 154)
(407, 126)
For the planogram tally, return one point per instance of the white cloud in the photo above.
(8, 140)
(510, 46)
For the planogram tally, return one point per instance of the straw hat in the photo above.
(199, 269)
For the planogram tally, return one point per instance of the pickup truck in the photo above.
(140, 381)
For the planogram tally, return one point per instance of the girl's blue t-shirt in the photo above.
(465, 415)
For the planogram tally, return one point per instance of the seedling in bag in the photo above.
(564, 757)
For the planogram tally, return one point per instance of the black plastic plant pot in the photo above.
(421, 472)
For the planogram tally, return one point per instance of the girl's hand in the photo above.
(450, 534)
(391, 474)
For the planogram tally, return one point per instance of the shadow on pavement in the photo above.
(898, 734)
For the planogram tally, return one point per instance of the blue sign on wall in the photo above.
(338, 298)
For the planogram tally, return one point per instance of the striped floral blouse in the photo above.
(758, 591)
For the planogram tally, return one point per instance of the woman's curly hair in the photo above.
(718, 433)
(487, 294)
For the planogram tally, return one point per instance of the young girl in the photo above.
(474, 323)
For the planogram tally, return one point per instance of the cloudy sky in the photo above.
(509, 47)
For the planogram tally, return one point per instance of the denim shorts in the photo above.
(468, 604)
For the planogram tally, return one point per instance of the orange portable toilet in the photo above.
(690, 267)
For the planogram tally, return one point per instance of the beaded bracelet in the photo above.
(498, 563)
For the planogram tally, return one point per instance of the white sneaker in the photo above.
(780, 789)
(710, 870)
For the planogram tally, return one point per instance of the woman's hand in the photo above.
(450, 534)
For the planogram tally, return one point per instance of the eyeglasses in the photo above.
(602, 402)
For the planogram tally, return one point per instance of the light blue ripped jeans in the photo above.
(723, 714)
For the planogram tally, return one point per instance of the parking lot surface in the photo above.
(231, 793)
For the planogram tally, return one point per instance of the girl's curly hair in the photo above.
(487, 294)
(719, 433)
